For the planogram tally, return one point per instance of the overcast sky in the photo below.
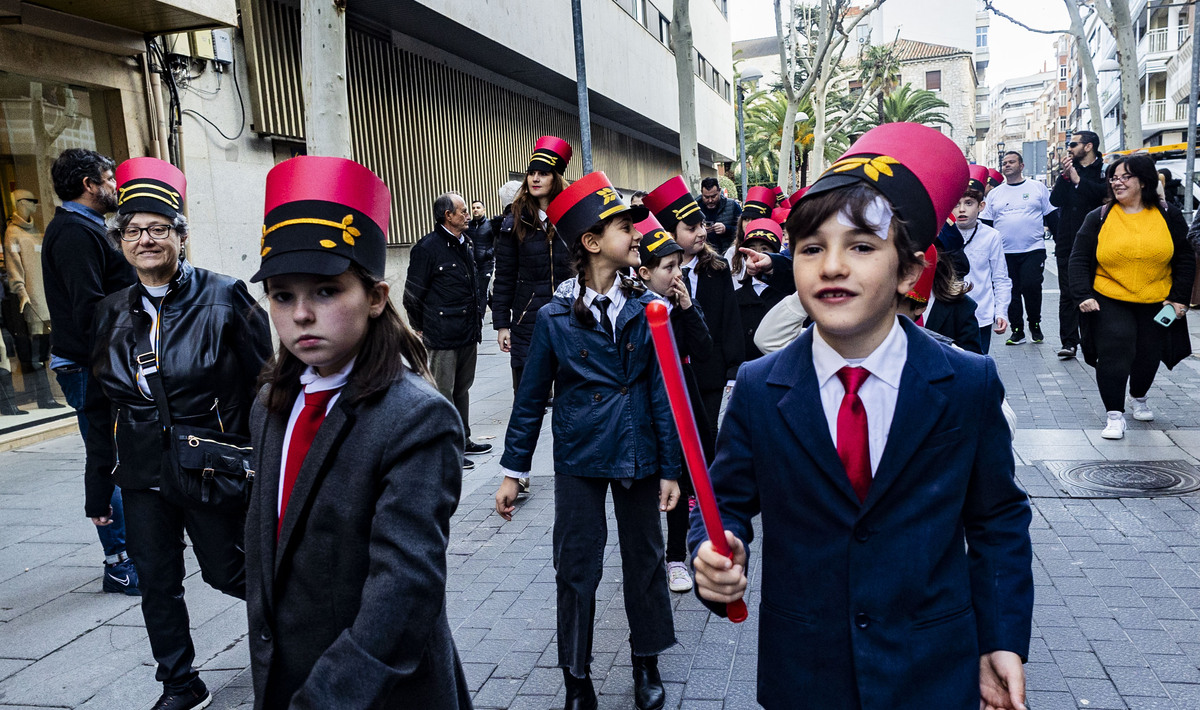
(1015, 51)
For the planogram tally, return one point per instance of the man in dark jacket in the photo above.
(440, 297)
(480, 232)
(1079, 190)
(721, 214)
(79, 269)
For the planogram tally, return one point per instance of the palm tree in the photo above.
(764, 132)
(912, 105)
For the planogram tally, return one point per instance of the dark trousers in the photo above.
(517, 371)
(580, 534)
(712, 408)
(74, 381)
(155, 528)
(1025, 270)
(679, 520)
(1129, 346)
(985, 339)
(1068, 309)
(454, 373)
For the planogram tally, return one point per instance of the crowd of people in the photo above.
(843, 331)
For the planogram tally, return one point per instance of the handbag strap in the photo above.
(148, 361)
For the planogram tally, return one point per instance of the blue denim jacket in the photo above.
(611, 415)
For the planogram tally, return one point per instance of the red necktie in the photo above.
(853, 445)
(303, 433)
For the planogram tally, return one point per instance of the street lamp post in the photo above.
(999, 152)
(750, 76)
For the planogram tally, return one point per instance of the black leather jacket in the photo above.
(212, 343)
(483, 238)
(440, 295)
(527, 273)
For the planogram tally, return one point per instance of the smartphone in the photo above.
(1166, 316)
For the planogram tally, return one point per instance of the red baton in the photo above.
(689, 437)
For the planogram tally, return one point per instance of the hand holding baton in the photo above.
(689, 437)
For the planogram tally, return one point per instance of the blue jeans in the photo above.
(74, 381)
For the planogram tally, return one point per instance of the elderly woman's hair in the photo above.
(118, 222)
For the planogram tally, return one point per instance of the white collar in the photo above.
(615, 294)
(313, 382)
(692, 264)
(885, 362)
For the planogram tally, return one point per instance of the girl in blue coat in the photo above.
(612, 429)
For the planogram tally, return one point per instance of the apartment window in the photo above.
(863, 33)
(664, 30)
(1062, 98)
(933, 80)
(981, 36)
(721, 5)
(1062, 124)
(1062, 72)
(639, 11)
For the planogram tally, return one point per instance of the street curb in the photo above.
(40, 433)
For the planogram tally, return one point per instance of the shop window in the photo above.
(38, 121)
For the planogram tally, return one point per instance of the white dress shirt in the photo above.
(616, 299)
(878, 393)
(311, 382)
(693, 278)
(156, 292)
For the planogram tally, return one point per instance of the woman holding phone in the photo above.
(1131, 273)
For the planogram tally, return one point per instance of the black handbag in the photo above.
(202, 467)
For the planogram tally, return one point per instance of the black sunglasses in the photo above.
(1072, 144)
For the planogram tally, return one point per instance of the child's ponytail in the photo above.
(580, 257)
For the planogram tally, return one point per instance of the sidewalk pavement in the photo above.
(1115, 626)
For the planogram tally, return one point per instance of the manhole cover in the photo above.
(1124, 479)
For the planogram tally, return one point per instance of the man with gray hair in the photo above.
(442, 305)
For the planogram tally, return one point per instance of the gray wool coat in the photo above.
(347, 609)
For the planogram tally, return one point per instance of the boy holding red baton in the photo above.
(896, 559)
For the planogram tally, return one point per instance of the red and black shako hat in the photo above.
(672, 203)
(321, 214)
(922, 290)
(978, 177)
(656, 242)
(918, 169)
(780, 214)
(778, 192)
(587, 201)
(150, 185)
(550, 154)
(759, 201)
(994, 177)
(764, 230)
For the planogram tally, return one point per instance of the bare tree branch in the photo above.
(988, 4)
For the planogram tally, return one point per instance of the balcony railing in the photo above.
(1183, 32)
(1162, 111)
(1159, 40)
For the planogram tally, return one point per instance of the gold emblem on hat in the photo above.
(349, 232)
(871, 167)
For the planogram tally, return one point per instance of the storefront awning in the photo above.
(145, 16)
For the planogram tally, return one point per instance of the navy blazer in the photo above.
(611, 415)
(887, 603)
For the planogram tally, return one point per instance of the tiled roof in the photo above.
(908, 50)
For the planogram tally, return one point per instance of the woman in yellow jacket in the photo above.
(1131, 272)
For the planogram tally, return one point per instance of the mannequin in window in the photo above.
(23, 260)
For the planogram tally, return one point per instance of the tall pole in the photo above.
(323, 56)
(742, 138)
(585, 114)
(1192, 98)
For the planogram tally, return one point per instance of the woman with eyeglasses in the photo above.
(1131, 274)
(179, 350)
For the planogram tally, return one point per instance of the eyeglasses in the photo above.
(156, 231)
(1072, 144)
(1120, 178)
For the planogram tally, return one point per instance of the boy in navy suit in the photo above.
(896, 559)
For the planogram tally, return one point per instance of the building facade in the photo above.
(1019, 110)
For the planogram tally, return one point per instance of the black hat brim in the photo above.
(317, 263)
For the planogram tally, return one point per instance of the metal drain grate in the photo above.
(1124, 479)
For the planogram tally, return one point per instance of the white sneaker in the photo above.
(1115, 428)
(1141, 410)
(678, 578)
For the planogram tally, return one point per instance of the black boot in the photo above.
(580, 693)
(648, 692)
(8, 396)
(41, 383)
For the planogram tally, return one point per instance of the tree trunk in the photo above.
(1089, 71)
(323, 57)
(819, 97)
(1115, 16)
(681, 44)
(788, 138)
